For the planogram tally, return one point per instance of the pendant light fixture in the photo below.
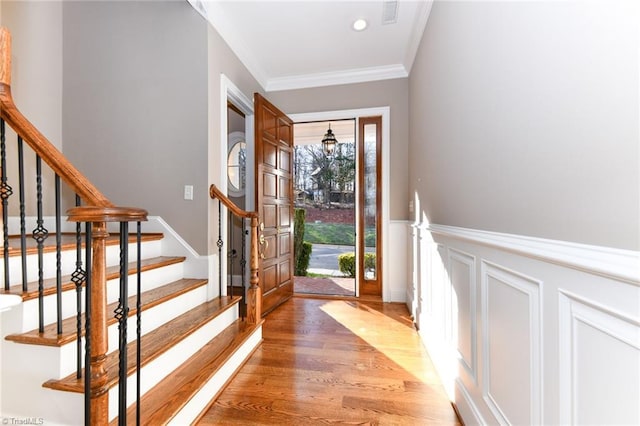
(329, 142)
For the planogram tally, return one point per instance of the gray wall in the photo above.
(141, 85)
(524, 119)
(36, 54)
(392, 93)
(135, 106)
(36, 86)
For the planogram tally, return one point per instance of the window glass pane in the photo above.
(370, 194)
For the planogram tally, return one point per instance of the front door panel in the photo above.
(274, 147)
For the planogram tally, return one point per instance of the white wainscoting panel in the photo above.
(524, 330)
(599, 363)
(395, 290)
(511, 345)
(424, 289)
(462, 275)
(413, 263)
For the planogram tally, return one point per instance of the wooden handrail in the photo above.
(214, 192)
(98, 211)
(36, 140)
(106, 214)
(5, 60)
(254, 293)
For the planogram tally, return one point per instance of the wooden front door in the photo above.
(274, 180)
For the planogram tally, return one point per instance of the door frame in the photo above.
(230, 92)
(385, 112)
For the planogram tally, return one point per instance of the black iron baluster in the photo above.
(5, 192)
(40, 234)
(138, 319)
(122, 314)
(58, 256)
(220, 243)
(243, 263)
(78, 277)
(230, 253)
(23, 228)
(87, 328)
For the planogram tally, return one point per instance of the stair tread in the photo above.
(113, 272)
(68, 242)
(153, 344)
(161, 403)
(150, 298)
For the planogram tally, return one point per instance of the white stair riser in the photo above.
(156, 370)
(23, 373)
(68, 261)
(150, 279)
(149, 249)
(205, 395)
(151, 319)
(158, 315)
(29, 310)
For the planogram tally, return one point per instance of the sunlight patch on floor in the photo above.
(362, 321)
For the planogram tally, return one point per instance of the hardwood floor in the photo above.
(335, 362)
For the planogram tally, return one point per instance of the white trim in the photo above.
(419, 24)
(214, 13)
(385, 112)
(232, 139)
(532, 288)
(195, 265)
(466, 405)
(468, 260)
(622, 265)
(571, 310)
(230, 92)
(208, 391)
(357, 75)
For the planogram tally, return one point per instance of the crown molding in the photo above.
(419, 25)
(359, 75)
(214, 14)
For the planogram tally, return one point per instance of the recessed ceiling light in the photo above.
(359, 24)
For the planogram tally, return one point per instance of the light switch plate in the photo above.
(188, 192)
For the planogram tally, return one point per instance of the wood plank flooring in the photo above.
(329, 361)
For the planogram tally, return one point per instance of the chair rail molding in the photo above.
(618, 264)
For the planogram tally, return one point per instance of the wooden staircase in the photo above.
(95, 288)
(190, 347)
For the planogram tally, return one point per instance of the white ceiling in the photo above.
(310, 43)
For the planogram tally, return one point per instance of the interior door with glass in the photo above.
(370, 206)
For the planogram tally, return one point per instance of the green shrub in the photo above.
(302, 262)
(347, 263)
(370, 261)
(298, 240)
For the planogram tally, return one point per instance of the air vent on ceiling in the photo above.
(389, 12)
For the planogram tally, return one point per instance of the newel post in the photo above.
(99, 392)
(254, 294)
(96, 315)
